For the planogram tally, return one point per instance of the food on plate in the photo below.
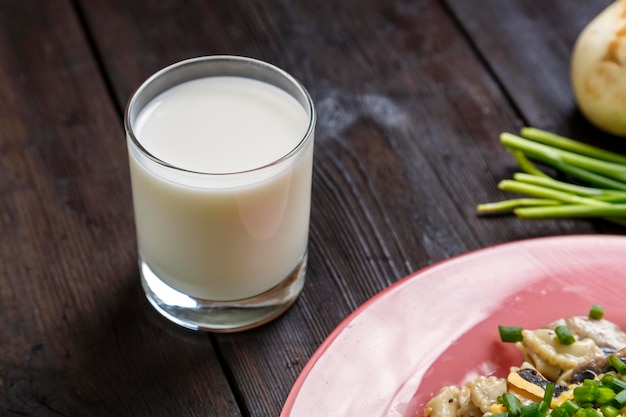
(598, 69)
(574, 366)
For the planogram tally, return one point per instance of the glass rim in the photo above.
(173, 68)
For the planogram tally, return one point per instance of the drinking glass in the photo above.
(221, 154)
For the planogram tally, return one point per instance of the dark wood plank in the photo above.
(76, 334)
(407, 143)
(528, 47)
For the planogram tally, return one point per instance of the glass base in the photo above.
(222, 316)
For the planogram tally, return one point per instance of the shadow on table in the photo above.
(112, 355)
(138, 363)
(132, 362)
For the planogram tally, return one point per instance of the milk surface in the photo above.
(222, 237)
(221, 125)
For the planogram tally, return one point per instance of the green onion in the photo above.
(564, 334)
(551, 139)
(587, 412)
(620, 398)
(566, 409)
(584, 394)
(609, 411)
(548, 193)
(615, 384)
(591, 383)
(617, 363)
(570, 407)
(603, 395)
(560, 412)
(596, 312)
(512, 404)
(510, 334)
(566, 187)
(548, 393)
(600, 191)
(531, 410)
(614, 213)
(514, 203)
(527, 166)
(550, 154)
(547, 400)
(589, 177)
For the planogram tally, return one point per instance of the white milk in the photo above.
(222, 237)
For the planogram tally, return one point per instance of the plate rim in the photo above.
(340, 328)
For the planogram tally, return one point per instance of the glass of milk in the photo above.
(220, 153)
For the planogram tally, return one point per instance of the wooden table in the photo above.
(411, 97)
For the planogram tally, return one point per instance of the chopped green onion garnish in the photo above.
(596, 312)
(615, 384)
(591, 382)
(531, 410)
(570, 407)
(620, 398)
(587, 412)
(609, 411)
(617, 363)
(547, 400)
(560, 412)
(584, 394)
(564, 335)
(548, 394)
(512, 403)
(603, 395)
(510, 334)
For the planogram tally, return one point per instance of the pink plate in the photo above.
(438, 326)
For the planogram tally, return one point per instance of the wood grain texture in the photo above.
(76, 335)
(410, 96)
(528, 47)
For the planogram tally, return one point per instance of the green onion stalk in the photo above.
(600, 175)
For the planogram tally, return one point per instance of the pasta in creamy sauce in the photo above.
(546, 361)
